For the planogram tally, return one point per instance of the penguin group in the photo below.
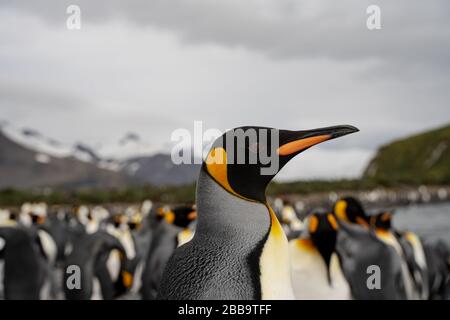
(88, 252)
(233, 243)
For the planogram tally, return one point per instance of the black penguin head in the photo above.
(135, 221)
(382, 220)
(13, 215)
(323, 233)
(37, 219)
(244, 160)
(351, 210)
(118, 219)
(181, 216)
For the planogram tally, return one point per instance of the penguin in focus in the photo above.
(316, 270)
(173, 231)
(239, 250)
(360, 249)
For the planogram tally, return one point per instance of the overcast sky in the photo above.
(153, 66)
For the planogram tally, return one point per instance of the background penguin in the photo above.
(37, 225)
(239, 250)
(359, 248)
(410, 250)
(25, 269)
(90, 255)
(172, 232)
(290, 221)
(119, 227)
(386, 235)
(56, 227)
(316, 271)
(8, 217)
(438, 261)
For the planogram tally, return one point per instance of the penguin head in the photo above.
(244, 160)
(321, 223)
(13, 215)
(382, 220)
(351, 210)
(135, 221)
(181, 216)
(119, 220)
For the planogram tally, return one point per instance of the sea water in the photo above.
(428, 221)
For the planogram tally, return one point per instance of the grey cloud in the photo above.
(149, 67)
(413, 31)
(20, 98)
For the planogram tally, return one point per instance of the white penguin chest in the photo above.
(309, 275)
(275, 266)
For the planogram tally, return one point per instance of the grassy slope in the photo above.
(424, 158)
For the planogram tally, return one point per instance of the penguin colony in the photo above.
(233, 244)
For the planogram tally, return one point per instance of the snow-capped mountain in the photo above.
(45, 146)
(29, 158)
(130, 146)
(46, 167)
(109, 157)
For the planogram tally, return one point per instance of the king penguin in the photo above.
(360, 250)
(409, 248)
(239, 250)
(173, 231)
(89, 254)
(316, 270)
(25, 270)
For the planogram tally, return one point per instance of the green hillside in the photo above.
(423, 158)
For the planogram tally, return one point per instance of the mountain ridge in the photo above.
(30, 160)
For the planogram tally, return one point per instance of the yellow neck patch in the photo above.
(127, 279)
(276, 227)
(382, 233)
(305, 244)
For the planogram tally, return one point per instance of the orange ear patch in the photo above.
(332, 221)
(216, 164)
(313, 224)
(169, 216)
(192, 215)
(41, 220)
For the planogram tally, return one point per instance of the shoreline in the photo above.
(372, 199)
